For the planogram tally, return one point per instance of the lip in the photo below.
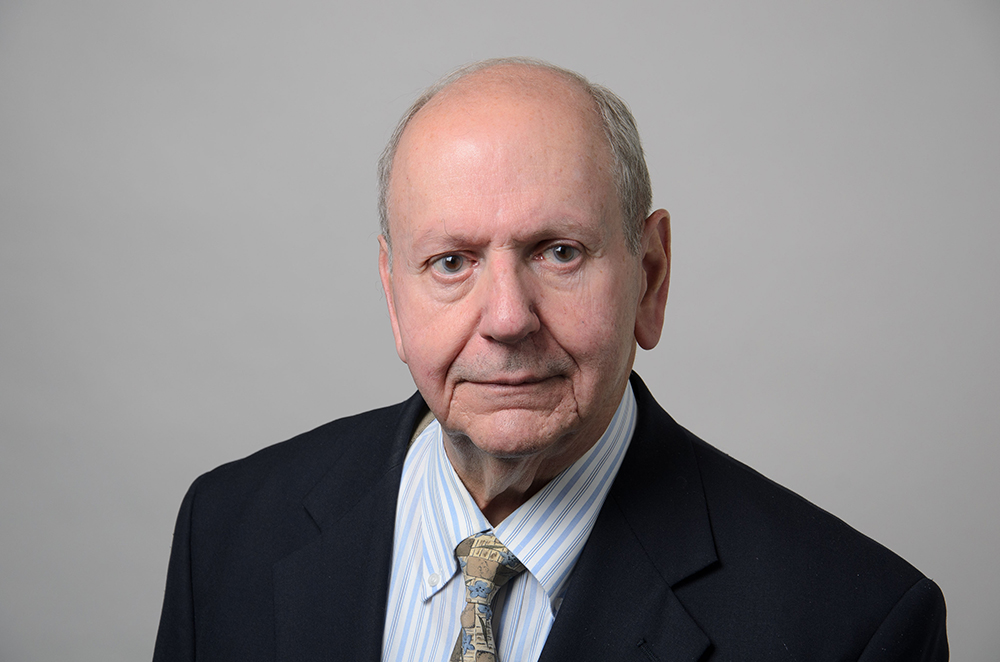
(510, 382)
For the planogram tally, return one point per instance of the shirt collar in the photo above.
(546, 533)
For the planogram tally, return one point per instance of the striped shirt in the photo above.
(435, 512)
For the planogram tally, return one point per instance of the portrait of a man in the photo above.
(531, 501)
(517, 332)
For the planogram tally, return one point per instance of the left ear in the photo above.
(655, 274)
(385, 272)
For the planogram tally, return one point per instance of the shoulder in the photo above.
(794, 563)
(752, 514)
(786, 574)
(281, 475)
(756, 521)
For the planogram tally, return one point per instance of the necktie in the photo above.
(486, 566)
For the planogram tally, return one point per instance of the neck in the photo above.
(500, 485)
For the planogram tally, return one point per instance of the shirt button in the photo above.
(434, 579)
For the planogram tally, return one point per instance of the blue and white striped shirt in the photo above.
(435, 512)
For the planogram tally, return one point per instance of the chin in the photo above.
(517, 433)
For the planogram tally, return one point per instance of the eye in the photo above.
(449, 264)
(563, 253)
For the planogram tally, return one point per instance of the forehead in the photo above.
(499, 140)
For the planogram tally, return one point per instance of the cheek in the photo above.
(594, 325)
(603, 330)
(432, 335)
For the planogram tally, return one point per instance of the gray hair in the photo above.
(631, 177)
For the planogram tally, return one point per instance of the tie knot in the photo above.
(486, 565)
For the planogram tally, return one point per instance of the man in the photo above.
(532, 501)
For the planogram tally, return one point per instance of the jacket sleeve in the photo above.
(914, 631)
(175, 637)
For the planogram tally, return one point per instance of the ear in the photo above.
(655, 274)
(385, 273)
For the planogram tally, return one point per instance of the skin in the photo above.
(513, 298)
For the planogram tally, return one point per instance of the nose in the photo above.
(508, 306)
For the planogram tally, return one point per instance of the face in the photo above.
(513, 298)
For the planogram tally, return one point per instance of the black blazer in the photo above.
(285, 555)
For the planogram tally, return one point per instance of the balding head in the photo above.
(526, 77)
(501, 132)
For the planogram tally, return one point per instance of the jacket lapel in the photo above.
(652, 532)
(330, 595)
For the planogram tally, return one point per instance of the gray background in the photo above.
(188, 262)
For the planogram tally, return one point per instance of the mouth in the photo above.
(511, 384)
(510, 380)
(514, 381)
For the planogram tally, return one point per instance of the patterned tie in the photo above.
(486, 566)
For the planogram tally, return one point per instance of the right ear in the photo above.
(656, 279)
(385, 273)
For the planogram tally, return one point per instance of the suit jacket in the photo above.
(285, 555)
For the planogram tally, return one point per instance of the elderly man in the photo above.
(531, 501)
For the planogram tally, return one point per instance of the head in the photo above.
(517, 284)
